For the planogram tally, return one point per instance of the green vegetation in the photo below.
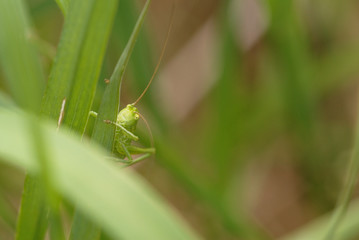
(264, 145)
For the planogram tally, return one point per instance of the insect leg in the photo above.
(129, 163)
(148, 151)
(127, 153)
(130, 134)
(137, 150)
(115, 159)
(139, 159)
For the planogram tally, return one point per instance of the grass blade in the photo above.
(298, 87)
(63, 5)
(348, 229)
(25, 79)
(104, 133)
(85, 76)
(82, 228)
(89, 64)
(67, 58)
(32, 219)
(347, 192)
(19, 60)
(141, 65)
(223, 145)
(76, 39)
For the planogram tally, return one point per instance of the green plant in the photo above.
(72, 82)
(259, 146)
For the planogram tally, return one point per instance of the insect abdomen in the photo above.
(121, 139)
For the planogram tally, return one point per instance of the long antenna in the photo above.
(161, 56)
(148, 127)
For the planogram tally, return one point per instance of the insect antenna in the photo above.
(147, 126)
(161, 56)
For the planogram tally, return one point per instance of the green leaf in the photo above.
(104, 133)
(25, 79)
(142, 65)
(347, 191)
(32, 220)
(316, 229)
(89, 64)
(118, 200)
(82, 228)
(68, 55)
(19, 60)
(63, 5)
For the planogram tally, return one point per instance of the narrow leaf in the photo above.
(316, 229)
(25, 79)
(103, 133)
(89, 64)
(63, 5)
(32, 219)
(68, 54)
(18, 59)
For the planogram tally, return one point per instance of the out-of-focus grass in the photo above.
(283, 97)
(68, 98)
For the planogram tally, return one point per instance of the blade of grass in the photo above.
(141, 65)
(20, 62)
(46, 170)
(349, 229)
(67, 58)
(32, 219)
(347, 192)
(25, 78)
(89, 64)
(63, 5)
(83, 56)
(226, 92)
(83, 228)
(292, 53)
(75, 42)
(85, 79)
(298, 87)
(104, 133)
(117, 200)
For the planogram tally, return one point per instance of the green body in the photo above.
(126, 124)
(127, 118)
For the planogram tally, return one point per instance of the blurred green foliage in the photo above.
(262, 152)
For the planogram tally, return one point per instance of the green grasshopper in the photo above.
(127, 120)
(126, 124)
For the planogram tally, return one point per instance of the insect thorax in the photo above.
(127, 118)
